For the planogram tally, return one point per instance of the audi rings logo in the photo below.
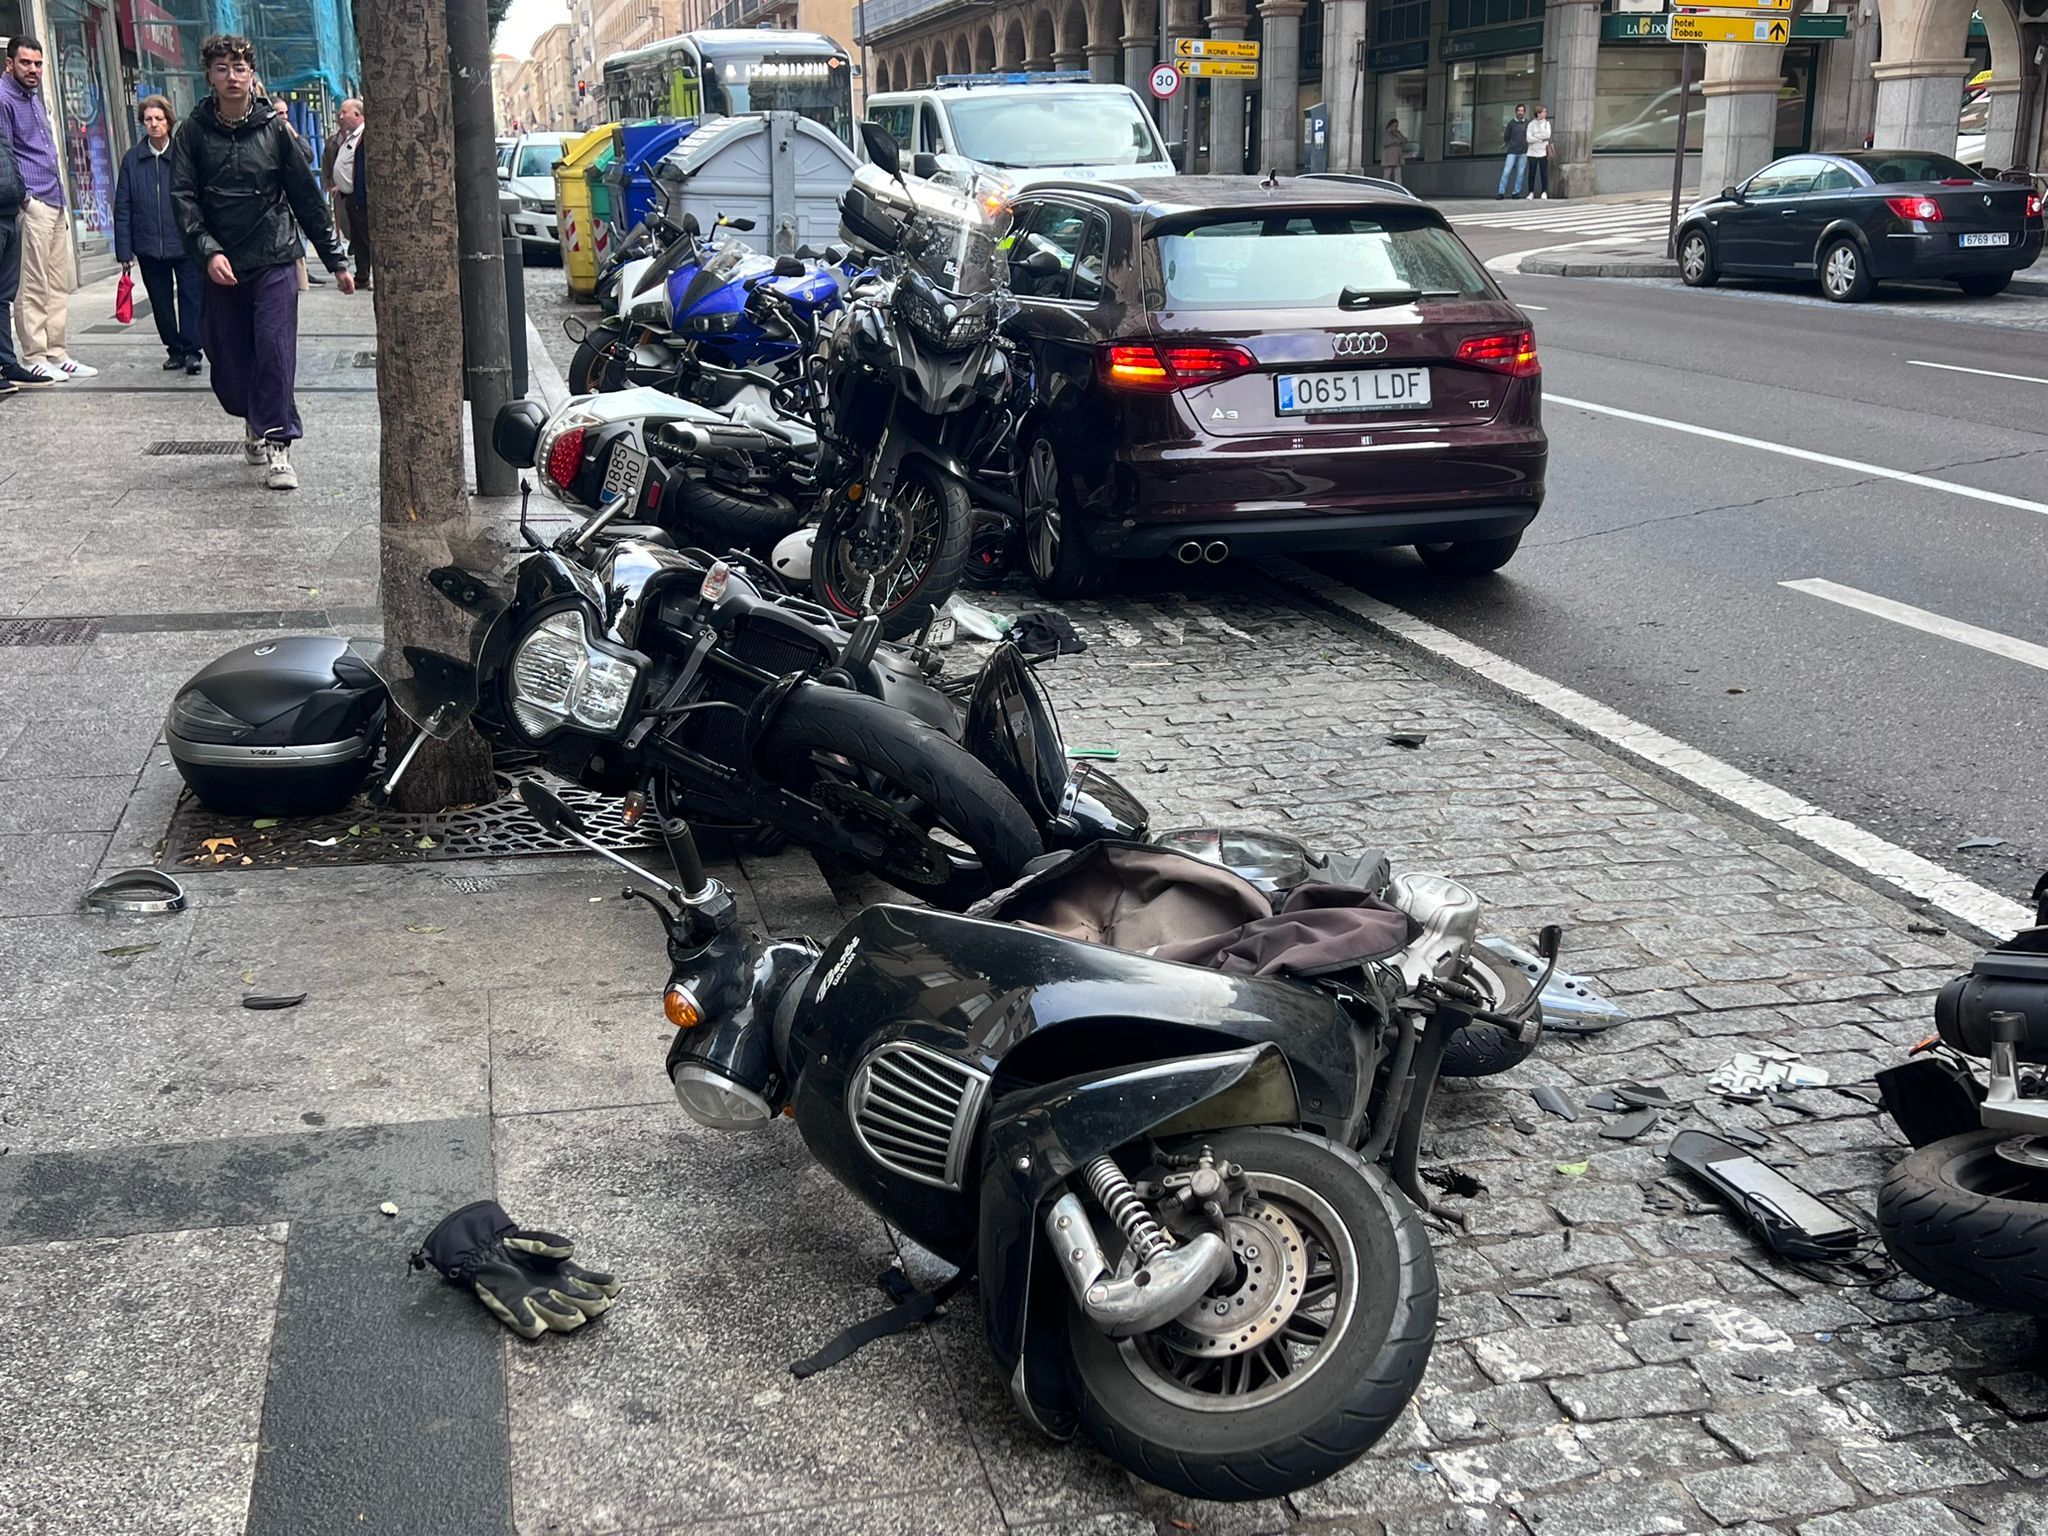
(1362, 344)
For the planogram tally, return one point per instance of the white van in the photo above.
(1052, 130)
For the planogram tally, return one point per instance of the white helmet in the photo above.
(792, 557)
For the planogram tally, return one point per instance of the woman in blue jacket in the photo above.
(146, 230)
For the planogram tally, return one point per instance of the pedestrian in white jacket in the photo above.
(1539, 153)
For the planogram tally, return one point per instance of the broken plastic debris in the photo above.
(1974, 844)
(388, 1208)
(977, 623)
(1551, 1102)
(1747, 1075)
(1409, 739)
(1629, 1127)
(272, 1004)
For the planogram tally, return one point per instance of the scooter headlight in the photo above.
(558, 677)
(717, 1102)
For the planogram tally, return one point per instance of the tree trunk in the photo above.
(424, 514)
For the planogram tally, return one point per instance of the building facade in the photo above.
(1449, 73)
(106, 55)
(553, 82)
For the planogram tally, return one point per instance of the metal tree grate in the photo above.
(361, 833)
(218, 448)
(49, 631)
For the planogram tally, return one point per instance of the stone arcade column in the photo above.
(1571, 28)
(1920, 73)
(1344, 88)
(1140, 54)
(1280, 86)
(1226, 97)
(1102, 65)
(1741, 89)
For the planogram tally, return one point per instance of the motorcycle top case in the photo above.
(284, 727)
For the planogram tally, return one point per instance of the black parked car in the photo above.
(1854, 220)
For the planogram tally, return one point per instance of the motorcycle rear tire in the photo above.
(1357, 1388)
(941, 575)
(723, 517)
(591, 372)
(950, 785)
(1484, 1050)
(1957, 1216)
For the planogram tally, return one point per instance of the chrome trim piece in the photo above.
(914, 1112)
(313, 754)
(137, 890)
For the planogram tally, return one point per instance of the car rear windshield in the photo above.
(1309, 260)
(1889, 169)
(1038, 128)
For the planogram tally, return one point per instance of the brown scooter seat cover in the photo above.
(1171, 906)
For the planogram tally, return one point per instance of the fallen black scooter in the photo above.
(1165, 1169)
(1967, 1212)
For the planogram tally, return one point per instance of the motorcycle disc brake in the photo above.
(1256, 1298)
(884, 837)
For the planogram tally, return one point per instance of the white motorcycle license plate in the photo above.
(1362, 389)
(2000, 237)
(624, 472)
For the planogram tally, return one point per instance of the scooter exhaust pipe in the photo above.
(1189, 553)
(1216, 551)
(1161, 1290)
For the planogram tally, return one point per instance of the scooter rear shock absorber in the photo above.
(1147, 1238)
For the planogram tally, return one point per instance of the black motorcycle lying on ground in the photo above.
(1164, 1120)
(1967, 1212)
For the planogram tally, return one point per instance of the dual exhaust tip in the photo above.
(1194, 552)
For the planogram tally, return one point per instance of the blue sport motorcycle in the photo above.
(692, 321)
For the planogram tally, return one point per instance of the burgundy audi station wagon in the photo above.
(1232, 366)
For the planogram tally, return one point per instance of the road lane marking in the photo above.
(1542, 309)
(1856, 466)
(1923, 620)
(1961, 898)
(2024, 378)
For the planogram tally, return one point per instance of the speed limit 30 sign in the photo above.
(1165, 80)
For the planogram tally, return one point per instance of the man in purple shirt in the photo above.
(41, 308)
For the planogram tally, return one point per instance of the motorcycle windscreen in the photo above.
(1012, 729)
(433, 689)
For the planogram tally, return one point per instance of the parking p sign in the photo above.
(1165, 80)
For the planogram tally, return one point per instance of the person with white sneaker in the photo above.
(44, 303)
(1539, 154)
(245, 197)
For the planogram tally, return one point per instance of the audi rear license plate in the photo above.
(1362, 389)
(623, 472)
(2001, 237)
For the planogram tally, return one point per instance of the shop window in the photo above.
(1635, 101)
(1481, 97)
(1401, 99)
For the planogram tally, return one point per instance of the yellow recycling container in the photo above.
(583, 233)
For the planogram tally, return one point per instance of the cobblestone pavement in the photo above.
(215, 1330)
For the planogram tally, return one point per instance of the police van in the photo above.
(1056, 125)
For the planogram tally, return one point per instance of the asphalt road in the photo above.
(1654, 579)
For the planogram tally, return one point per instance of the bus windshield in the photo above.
(814, 85)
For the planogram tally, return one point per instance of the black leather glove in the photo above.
(524, 1276)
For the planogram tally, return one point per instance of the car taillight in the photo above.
(2033, 205)
(1511, 352)
(1161, 370)
(565, 457)
(1925, 209)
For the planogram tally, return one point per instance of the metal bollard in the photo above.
(515, 310)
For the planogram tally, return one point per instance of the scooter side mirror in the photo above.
(549, 811)
(1550, 941)
(882, 148)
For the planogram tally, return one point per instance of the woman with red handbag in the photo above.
(146, 231)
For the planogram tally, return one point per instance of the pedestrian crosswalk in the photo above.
(1587, 220)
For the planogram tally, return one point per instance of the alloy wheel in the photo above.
(1042, 509)
(1692, 257)
(1840, 275)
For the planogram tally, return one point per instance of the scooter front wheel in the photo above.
(1961, 1216)
(1299, 1358)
